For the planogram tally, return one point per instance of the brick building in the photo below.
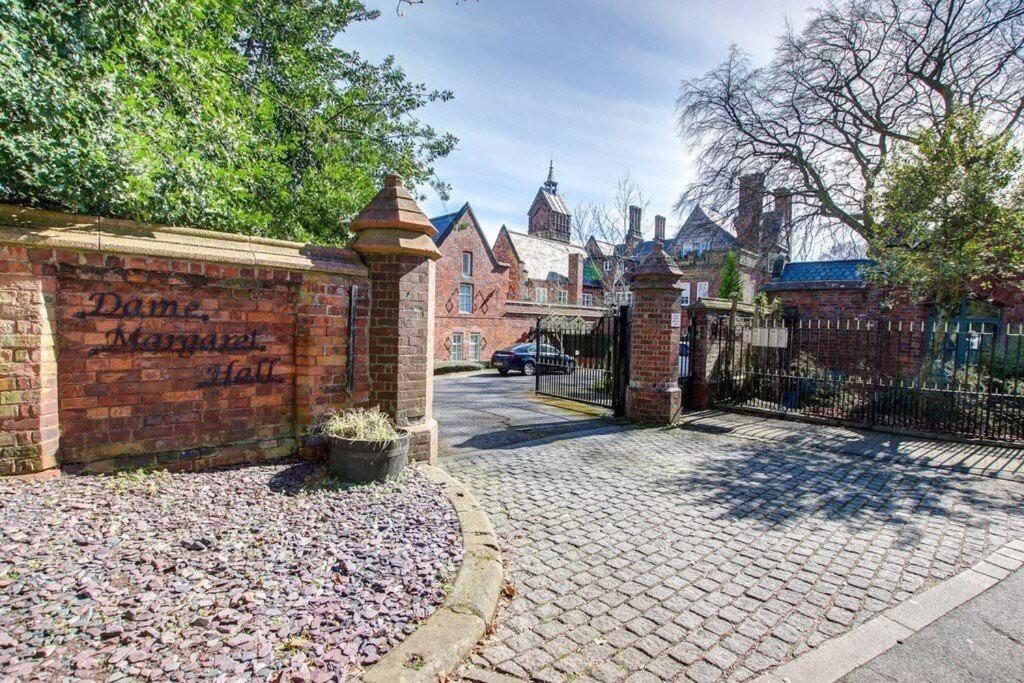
(490, 298)
(472, 287)
(759, 237)
(839, 290)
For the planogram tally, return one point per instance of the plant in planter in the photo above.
(364, 446)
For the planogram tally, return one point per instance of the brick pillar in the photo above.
(29, 426)
(394, 238)
(699, 358)
(575, 278)
(653, 396)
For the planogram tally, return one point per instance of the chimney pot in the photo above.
(659, 228)
(634, 222)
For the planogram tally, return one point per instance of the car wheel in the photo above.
(529, 368)
(503, 372)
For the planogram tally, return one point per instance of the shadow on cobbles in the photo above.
(778, 484)
(522, 435)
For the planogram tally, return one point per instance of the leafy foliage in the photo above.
(731, 285)
(951, 214)
(236, 115)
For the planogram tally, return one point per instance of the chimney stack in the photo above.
(748, 217)
(575, 279)
(659, 228)
(634, 223)
(783, 204)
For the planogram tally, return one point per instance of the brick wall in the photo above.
(165, 357)
(490, 290)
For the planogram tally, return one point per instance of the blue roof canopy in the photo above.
(851, 270)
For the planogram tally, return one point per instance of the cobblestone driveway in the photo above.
(654, 554)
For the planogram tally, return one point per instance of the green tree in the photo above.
(236, 115)
(731, 286)
(951, 215)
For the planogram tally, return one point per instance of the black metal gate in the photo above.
(958, 379)
(585, 361)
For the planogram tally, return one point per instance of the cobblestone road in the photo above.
(669, 554)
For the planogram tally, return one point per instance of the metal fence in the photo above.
(961, 378)
(585, 362)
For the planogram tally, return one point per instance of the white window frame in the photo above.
(562, 296)
(540, 295)
(465, 288)
(467, 264)
(456, 353)
(607, 265)
(588, 299)
(702, 290)
(684, 296)
(474, 346)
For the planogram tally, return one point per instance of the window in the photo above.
(465, 298)
(588, 300)
(607, 267)
(467, 264)
(702, 290)
(684, 296)
(562, 296)
(541, 295)
(474, 346)
(456, 346)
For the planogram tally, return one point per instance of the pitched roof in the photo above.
(554, 201)
(445, 223)
(702, 227)
(591, 275)
(542, 258)
(851, 270)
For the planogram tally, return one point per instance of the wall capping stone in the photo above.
(41, 229)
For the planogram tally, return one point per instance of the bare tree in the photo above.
(609, 224)
(846, 249)
(863, 76)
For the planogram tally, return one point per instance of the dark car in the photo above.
(523, 358)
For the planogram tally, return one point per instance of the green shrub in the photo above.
(443, 367)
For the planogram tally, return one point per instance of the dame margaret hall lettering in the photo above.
(184, 344)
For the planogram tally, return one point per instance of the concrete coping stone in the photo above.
(839, 656)
(447, 637)
(40, 229)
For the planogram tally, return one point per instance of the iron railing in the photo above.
(588, 362)
(962, 378)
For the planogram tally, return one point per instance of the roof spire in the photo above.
(551, 186)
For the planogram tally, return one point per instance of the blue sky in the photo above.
(592, 82)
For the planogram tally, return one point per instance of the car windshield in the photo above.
(524, 348)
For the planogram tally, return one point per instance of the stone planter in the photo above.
(363, 462)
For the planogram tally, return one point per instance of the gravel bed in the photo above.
(243, 572)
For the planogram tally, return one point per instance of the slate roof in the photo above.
(851, 270)
(444, 223)
(554, 201)
(702, 226)
(542, 258)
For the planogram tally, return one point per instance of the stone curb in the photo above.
(446, 638)
(839, 656)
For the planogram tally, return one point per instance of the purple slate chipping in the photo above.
(236, 572)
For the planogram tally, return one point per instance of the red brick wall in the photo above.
(28, 376)
(168, 361)
(504, 253)
(490, 290)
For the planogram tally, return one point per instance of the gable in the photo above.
(451, 222)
